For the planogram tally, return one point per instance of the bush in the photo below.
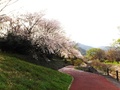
(16, 44)
(100, 66)
(77, 62)
(82, 68)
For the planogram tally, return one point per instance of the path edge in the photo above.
(71, 80)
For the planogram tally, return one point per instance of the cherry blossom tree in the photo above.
(46, 36)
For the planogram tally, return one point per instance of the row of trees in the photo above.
(34, 35)
(111, 55)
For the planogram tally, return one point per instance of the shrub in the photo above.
(77, 62)
(16, 44)
(100, 66)
(82, 68)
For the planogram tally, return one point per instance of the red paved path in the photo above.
(88, 81)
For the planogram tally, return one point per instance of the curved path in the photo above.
(88, 81)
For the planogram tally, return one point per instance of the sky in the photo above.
(90, 22)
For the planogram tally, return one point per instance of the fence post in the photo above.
(117, 76)
(107, 71)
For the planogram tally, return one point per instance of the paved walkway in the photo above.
(88, 81)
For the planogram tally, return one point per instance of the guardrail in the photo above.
(114, 74)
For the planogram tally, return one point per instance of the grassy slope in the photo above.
(19, 75)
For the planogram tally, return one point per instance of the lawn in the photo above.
(16, 74)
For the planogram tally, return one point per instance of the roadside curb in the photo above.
(71, 82)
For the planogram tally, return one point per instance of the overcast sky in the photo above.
(91, 22)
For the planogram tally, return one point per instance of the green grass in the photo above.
(112, 63)
(16, 74)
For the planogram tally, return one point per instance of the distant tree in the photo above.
(111, 55)
(118, 56)
(116, 44)
(95, 53)
(114, 52)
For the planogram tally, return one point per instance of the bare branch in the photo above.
(5, 5)
(8, 3)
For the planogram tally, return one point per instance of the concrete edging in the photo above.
(71, 82)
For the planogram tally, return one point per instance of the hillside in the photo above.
(16, 74)
(83, 48)
(106, 47)
(83, 51)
